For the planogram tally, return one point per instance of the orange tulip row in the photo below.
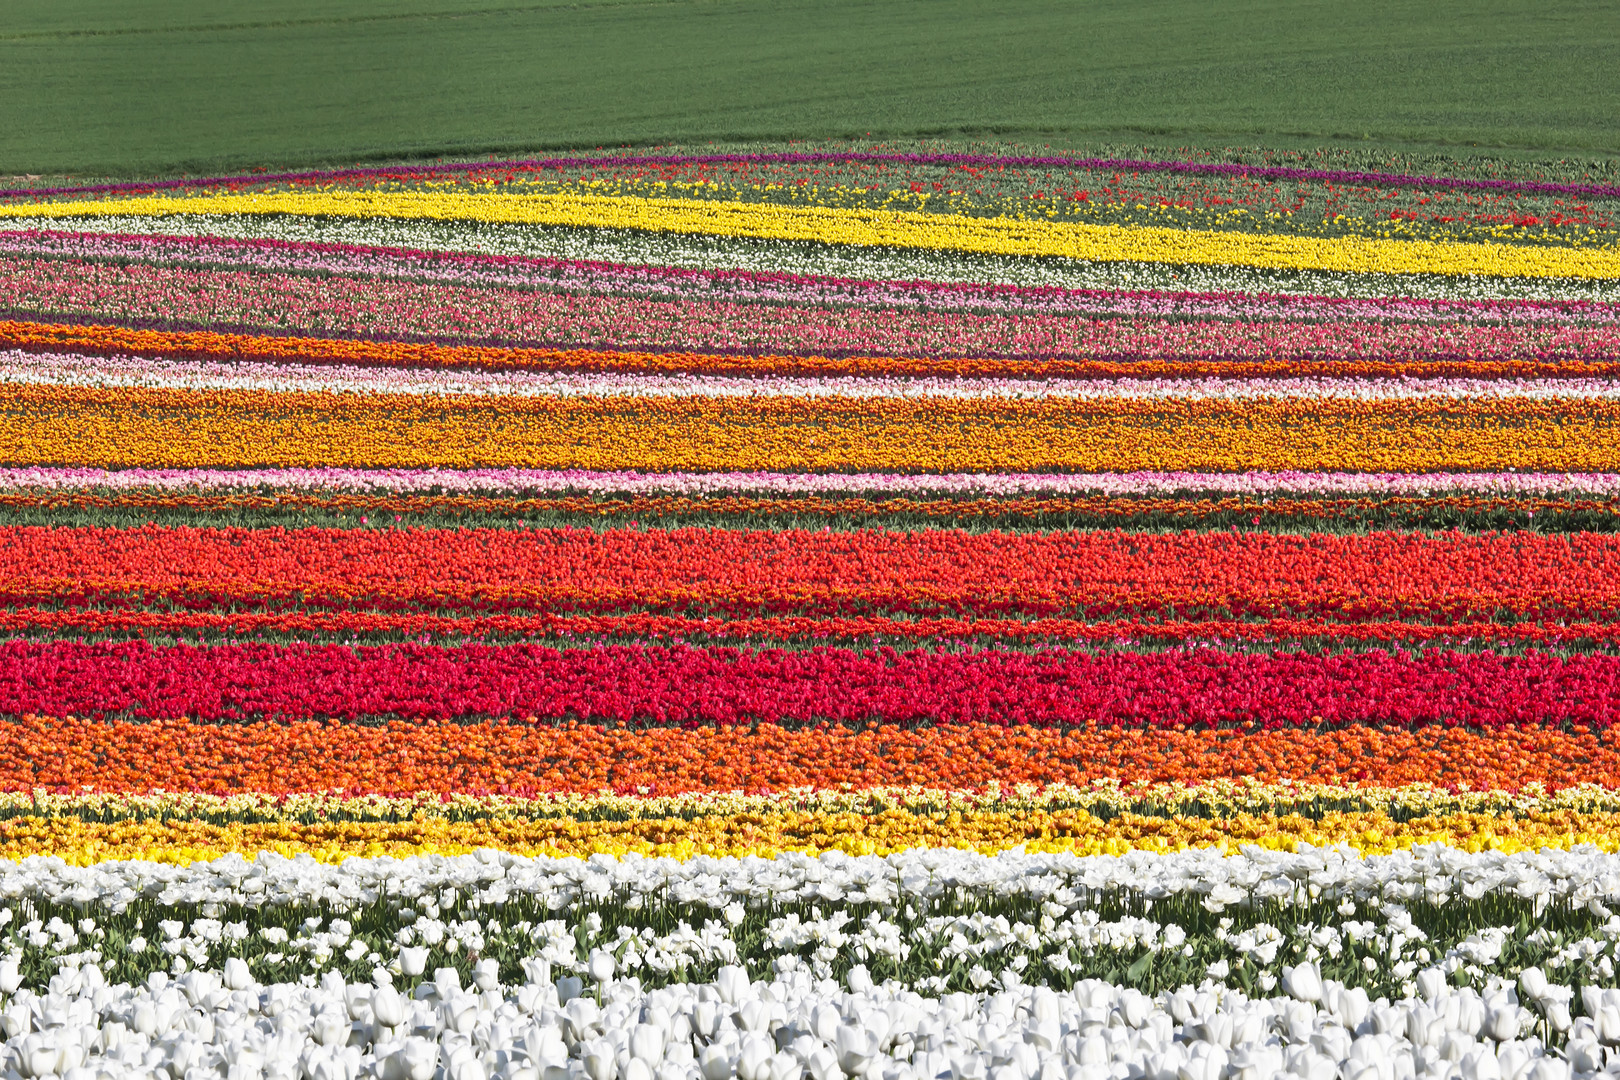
(121, 427)
(408, 758)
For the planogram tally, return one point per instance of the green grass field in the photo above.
(149, 86)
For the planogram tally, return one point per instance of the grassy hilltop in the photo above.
(116, 87)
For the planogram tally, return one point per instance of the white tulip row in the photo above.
(935, 920)
(208, 1024)
(871, 264)
(72, 369)
(1582, 876)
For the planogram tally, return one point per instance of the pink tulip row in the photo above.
(165, 295)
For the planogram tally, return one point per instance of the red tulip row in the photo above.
(682, 685)
(723, 573)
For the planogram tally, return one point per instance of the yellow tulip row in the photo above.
(181, 840)
(179, 429)
(883, 228)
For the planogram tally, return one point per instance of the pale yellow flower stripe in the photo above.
(903, 229)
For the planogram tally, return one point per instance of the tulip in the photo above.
(331, 1029)
(855, 1048)
(754, 1058)
(413, 961)
(823, 1065)
(647, 1043)
(601, 965)
(388, 1006)
(1502, 1023)
(714, 1063)
(599, 1061)
(1303, 981)
(732, 984)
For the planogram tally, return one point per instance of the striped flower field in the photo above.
(911, 616)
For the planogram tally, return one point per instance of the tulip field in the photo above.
(807, 614)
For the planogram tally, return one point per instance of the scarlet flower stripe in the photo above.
(729, 573)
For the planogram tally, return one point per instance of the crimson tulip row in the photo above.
(685, 685)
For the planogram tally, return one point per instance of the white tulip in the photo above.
(754, 1015)
(1502, 1023)
(824, 1022)
(600, 1061)
(754, 1059)
(331, 1029)
(487, 975)
(823, 1065)
(1584, 1055)
(715, 1064)
(855, 1048)
(1481, 1064)
(601, 965)
(732, 983)
(388, 1006)
(1533, 983)
(647, 1043)
(1431, 982)
(1303, 981)
(413, 961)
(784, 1066)
(705, 1019)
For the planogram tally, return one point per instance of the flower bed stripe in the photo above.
(931, 340)
(73, 370)
(175, 428)
(492, 482)
(100, 340)
(703, 572)
(903, 229)
(401, 758)
(651, 685)
(181, 842)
